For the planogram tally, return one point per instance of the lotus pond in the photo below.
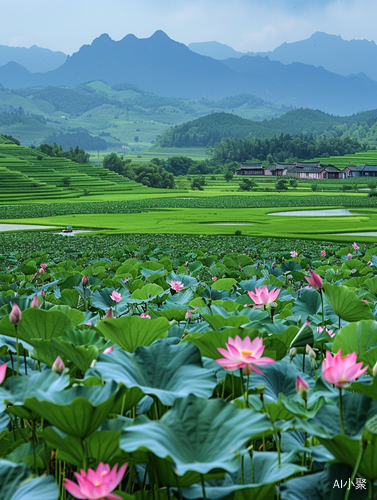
(218, 368)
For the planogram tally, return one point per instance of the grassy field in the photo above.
(250, 221)
(366, 157)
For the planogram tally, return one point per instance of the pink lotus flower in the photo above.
(261, 296)
(319, 329)
(302, 387)
(214, 278)
(340, 370)
(126, 280)
(176, 285)
(108, 350)
(109, 314)
(58, 366)
(41, 271)
(3, 370)
(246, 354)
(355, 246)
(89, 323)
(115, 296)
(349, 256)
(15, 315)
(307, 323)
(43, 266)
(35, 302)
(96, 484)
(323, 253)
(294, 253)
(188, 314)
(330, 332)
(314, 281)
(145, 315)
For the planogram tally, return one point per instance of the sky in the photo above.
(245, 25)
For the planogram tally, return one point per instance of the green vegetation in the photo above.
(76, 154)
(283, 148)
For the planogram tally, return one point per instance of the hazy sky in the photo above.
(246, 25)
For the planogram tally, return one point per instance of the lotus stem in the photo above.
(323, 308)
(363, 446)
(203, 487)
(341, 411)
(18, 351)
(242, 471)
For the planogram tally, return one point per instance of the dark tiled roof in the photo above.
(251, 165)
(308, 164)
(369, 168)
(331, 168)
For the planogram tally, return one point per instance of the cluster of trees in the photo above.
(283, 148)
(75, 154)
(10, 138)
(151, 175)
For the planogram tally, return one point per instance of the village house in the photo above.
(302, 170)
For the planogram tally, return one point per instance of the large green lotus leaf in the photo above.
(171, 314)
(267, 473)
(197, 435)
(81, 356)
(209, 342)
(303, 337)
(162, 370)
(101, 299)
(69, 298)
(100, 446)
(37, 324)
(224, 284)
(188, 281)
(324, 485)
(358, 337)
(367, 387)
(45, 352)
(147, 292)
(127, 399)
(357, 409)
(346, 304)
(130, 332)
(74, 315)
(307, 304)
(369, 358)
(15, 483)
(78, 411)
(371, 284)
(15, 389)
(217, 321)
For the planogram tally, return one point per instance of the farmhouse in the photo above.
(368, 171)
(250, 169)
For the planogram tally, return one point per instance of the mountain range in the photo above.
(35, 59)
(345, 57)
(163, 66)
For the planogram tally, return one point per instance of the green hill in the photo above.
(216, 127)
(27, 174)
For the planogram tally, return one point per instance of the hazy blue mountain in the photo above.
(332, 52)
(168, 68)
(35, 59)
(216, 50)
(329, 51)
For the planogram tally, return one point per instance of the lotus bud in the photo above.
(108, 350)
(302, 388)
(3, 371)
(188, 314)
(292, 352)
(43, 293)
(85, 281)
(35, 302)
(375, 370)
(15, 315)
(58, 366)
(109, 314)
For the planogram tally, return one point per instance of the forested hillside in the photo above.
(283, 148)
(213, 128)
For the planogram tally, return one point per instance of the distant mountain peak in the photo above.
(104, 38)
